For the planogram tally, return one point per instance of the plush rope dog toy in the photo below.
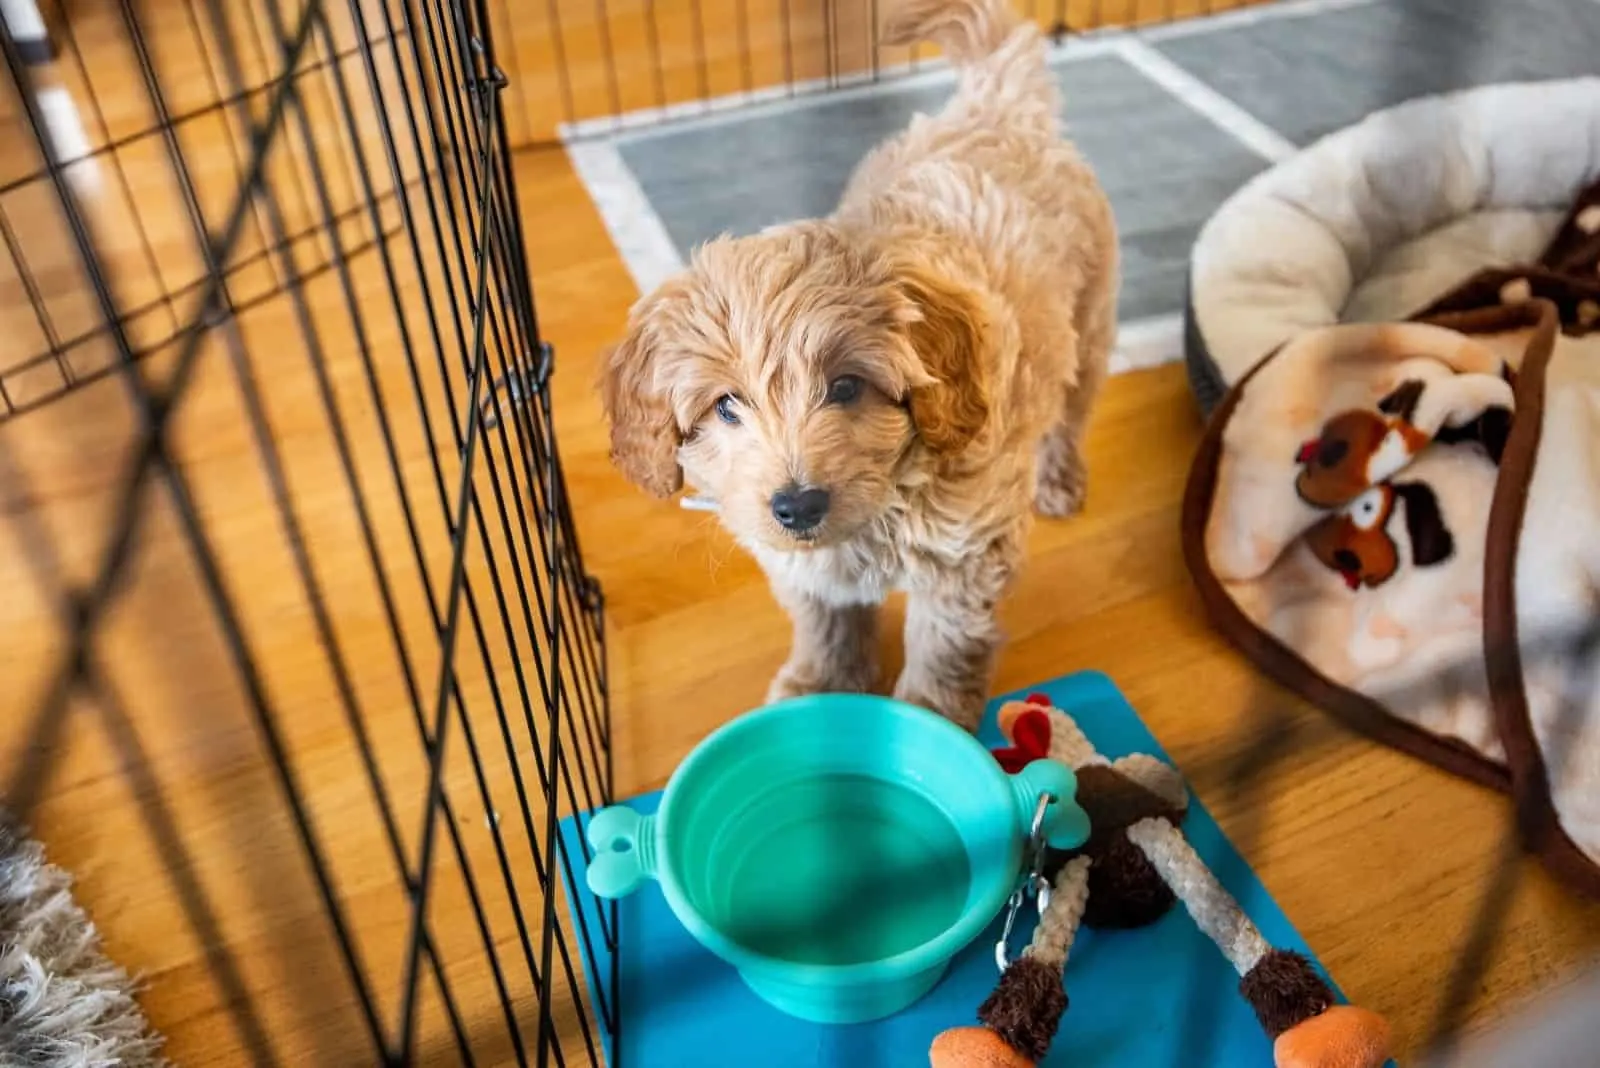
(1132, 869)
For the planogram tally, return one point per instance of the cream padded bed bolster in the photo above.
(1376, 220)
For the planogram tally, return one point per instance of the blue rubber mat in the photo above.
(1159, 997)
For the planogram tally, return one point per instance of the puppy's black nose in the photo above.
(799, 509)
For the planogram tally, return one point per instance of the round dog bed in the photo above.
(1376, 220)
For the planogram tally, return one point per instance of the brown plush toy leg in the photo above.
(1294, 1005)
(1020, 1018)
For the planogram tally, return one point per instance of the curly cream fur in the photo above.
(968, 279)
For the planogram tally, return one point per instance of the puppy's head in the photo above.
(790, 375)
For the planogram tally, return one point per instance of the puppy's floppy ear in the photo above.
(946, 327)
(644, 435)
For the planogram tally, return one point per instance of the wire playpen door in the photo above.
(270, 324)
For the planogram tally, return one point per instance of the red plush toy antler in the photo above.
(1030, 736)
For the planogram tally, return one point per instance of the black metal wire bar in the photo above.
(697, 37)
(572, 606)
(225, 43)
(30, 286)
(593, 704)
(608, 56)
(175, 159)
(608, 931)
(786, 20)
(169, 123)
(575, 606)
(450, 74)
(518, 418)
(830, 42)
(514, 251)
(327, 74)
(872, 39)
(204, 556)
(510, 272)
(546, 778)
(465, 229)
(741, 14)
(610, 908)
(265, 255)
(146, 250)
(558, 47)
(506, 27)
(552, 831)
(652, 35)
(568, 600)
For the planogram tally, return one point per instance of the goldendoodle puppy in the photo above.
(875, 399)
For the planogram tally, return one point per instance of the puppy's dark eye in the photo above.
(725, 409)
(845, 389)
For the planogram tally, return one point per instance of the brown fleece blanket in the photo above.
(1401, 522)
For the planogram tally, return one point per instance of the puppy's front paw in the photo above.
(796, 679)
(960, 707)
(1063, 483)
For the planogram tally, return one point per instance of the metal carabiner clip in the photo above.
(1033, 883)
(1002, 948)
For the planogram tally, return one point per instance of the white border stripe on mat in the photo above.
(1248, 130)
(637, 231)
(1146, 343)
(1248, 16)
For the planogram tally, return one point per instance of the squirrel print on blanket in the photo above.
(1356, 542)
(1360, 449)
(1351, 464)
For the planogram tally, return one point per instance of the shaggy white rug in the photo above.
(63, 1004)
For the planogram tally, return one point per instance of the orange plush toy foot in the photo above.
(974, 1047)
(1342, 1036)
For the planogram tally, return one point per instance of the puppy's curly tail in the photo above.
(969, 31)
(1001, 57)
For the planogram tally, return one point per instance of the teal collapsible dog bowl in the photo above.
(838, 850)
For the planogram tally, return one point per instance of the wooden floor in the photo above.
(156, 787)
